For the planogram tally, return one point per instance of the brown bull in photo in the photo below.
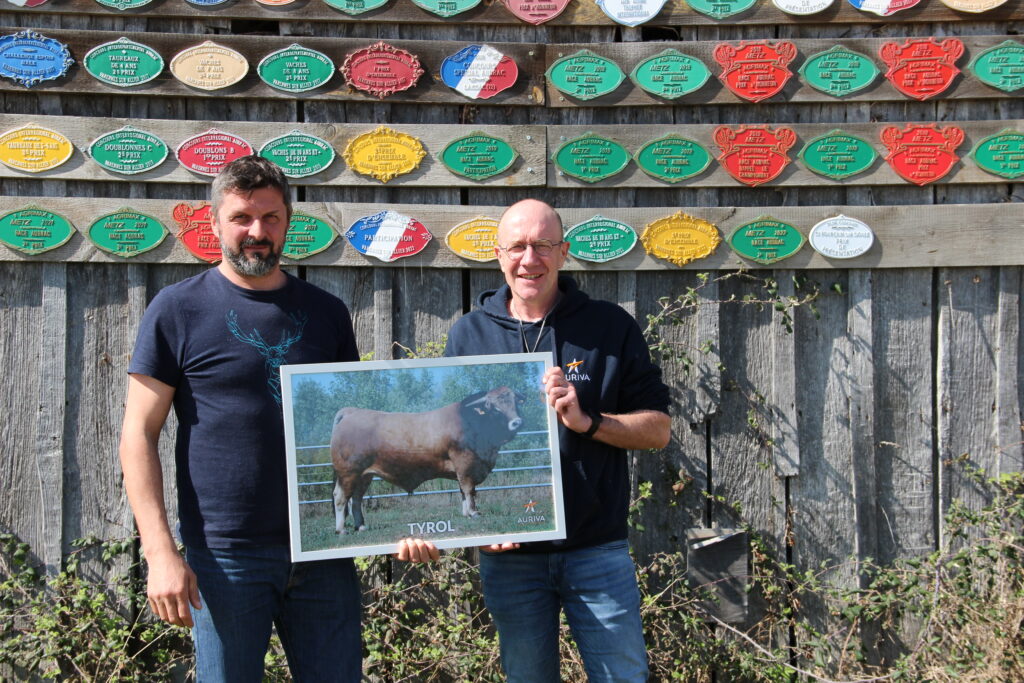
(459, 441)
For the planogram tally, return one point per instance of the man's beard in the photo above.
(255, 265)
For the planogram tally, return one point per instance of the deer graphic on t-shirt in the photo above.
(273, 356)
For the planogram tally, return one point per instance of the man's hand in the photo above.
(417, 550)
(562, 397)
(500, 547)
(171, 587)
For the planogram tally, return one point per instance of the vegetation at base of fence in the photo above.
(429, 624)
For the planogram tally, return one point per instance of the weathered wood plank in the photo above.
(102, 321)
(628, 55)
(22, 316)
(823, 494)
(675, 13)
(1009, 428)
(51, 398)
(354, 286)
(955, 234)
(742, 480)
(784, 414)
(429, 88)
(633, 138)
(967, 384)
(528, 141)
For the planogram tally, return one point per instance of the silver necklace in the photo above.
(522, 331)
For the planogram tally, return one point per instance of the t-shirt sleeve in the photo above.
(642, 387)
(347, 349)
(158, 346)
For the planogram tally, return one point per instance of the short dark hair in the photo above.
(247, 174)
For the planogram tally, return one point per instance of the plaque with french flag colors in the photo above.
(388, 236)
(479, 72)
(883, 8)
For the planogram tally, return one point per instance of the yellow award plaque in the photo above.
(34, 149)
(680, 239)
(474, 239)
(384, 153)
(209, 66)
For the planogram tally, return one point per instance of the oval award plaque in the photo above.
(126, 233)
(585, 75)
(33, 230)
(478, 156)
(384, 153)
(838, 155)
(1001, 154)
(30, 58)
(381, 69)
(766, 240)
(295, 69)
(123, 63)
(388, 236)
(672, 158)
(128, 151)
(34, 149)
(207, 153)
(299, 154)
(680, 238)
(591, 157)
(839, 71)
(841, 237)
(600, 239)
(670, 74)
(209, 66)
(307, 235)
(474, 239)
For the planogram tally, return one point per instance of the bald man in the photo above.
(609, 397)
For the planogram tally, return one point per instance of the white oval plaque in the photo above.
(802, 7)
(841, 237)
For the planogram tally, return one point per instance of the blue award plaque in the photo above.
(29, 58)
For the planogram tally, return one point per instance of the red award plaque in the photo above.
(381, 69)
(536, 11)
(209, 152)
(922, 153)
(755, 71)
(754, 154)
(921, 67)
(196, 231)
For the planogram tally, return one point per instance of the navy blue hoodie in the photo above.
(603, 353)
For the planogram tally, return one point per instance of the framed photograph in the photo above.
(459, 451)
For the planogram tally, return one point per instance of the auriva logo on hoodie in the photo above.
(574, 372)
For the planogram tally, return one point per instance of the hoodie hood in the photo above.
(494, 302)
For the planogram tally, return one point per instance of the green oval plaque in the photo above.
(1001, 154)
(591, 157)
(123, 63)
(766, 240)
(672, 158)
(585, 75)
(1001, 66)
(600, 239)
(446, 8)
(720, 9)
(307, 235)
(295, 69)
(670, 74)
(839, 71)
(299, 154)
(128, 151)
(838, 155)
(33, 230)
(126, 233)
(354, 7)
(478, 156)
(124, 4)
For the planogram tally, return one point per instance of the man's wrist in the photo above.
(595, 423)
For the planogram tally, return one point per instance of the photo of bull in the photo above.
(459, 441)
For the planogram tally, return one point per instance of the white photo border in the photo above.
(348, 545)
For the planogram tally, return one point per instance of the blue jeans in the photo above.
(315, 606)
(596, 587)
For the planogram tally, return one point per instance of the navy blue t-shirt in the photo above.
(221, 346)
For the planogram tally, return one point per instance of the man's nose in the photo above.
(531, 255)
(258, 229)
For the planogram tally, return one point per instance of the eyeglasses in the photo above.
(540, 247)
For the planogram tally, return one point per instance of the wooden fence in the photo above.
(832, 441)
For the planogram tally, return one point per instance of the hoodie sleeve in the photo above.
(641, 387)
